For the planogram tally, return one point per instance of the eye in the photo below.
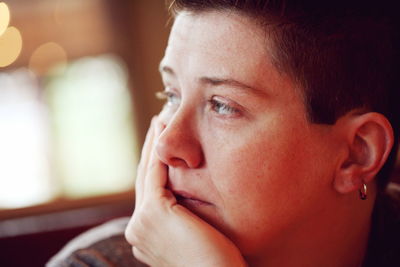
(171, 97)
(222, 108)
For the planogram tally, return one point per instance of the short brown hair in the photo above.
(342, 53)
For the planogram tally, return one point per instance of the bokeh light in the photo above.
(91, 114)
(10, 46)
(24, 167)
(47, 56)
(4, 17)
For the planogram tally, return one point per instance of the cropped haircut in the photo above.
(343, 54)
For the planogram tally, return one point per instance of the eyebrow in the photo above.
(214, 81)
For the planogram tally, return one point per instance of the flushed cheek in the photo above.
(257, 184)
(240, 171)
(252, 160)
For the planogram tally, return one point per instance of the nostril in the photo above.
(178, 162)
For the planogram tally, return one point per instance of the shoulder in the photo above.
(104, 245)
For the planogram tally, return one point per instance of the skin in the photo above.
(232, 170)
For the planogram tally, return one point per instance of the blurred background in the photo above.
(77, 84)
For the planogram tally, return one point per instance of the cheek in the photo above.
(262, 179)
(254, 158)
(249, 170)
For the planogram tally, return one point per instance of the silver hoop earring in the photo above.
(363, 192)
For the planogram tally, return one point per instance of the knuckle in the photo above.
(138, 254)
(139, 225)
(130, 235)
(132, 232)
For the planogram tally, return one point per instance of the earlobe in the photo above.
(368, 140)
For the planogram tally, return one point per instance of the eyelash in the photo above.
(217, 106)
(169, 96)
(224, 108)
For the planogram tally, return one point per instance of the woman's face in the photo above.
(240, 150)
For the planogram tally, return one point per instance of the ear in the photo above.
(368, 140)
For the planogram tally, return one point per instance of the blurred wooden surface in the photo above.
(30, 236)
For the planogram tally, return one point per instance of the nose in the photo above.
(178, 145)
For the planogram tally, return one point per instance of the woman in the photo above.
(258, 158)
(276, 140)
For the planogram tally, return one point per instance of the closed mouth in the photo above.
(186, 198)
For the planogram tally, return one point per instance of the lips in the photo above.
(184, 197)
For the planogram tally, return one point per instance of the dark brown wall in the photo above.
(144, 33)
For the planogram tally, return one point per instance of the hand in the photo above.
(164, 233)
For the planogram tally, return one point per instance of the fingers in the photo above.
(156, 177)
(144, 160)
(139, 255)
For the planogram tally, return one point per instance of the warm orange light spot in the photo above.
(10, 46)
(47, 56)
(4, 17)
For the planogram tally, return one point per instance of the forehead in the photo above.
(217, 26)
(219, 43)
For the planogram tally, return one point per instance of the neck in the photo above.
(335, 237)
